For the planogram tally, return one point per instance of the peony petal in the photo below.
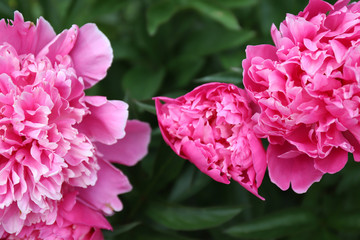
(259, 158)
(316, 7)
(92, 54)
(84, 215)
(130, 149)
(61, 45)
(334, 162)
(25, 37)
(111, 182)
(106, 121)
(11, 221)
(194, 155)
(299, 170)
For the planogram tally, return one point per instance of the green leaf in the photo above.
(215, 12)
(276, 225)
(184, 70)
(142, 82)
(189, 219)
(120, 230)
(147, 107)
(212, 39)
(234, 77)
(160, 12)
(6, 11)
(125, 50)
(237, 3)
(232, 60)
(346, 222)
(188, 183)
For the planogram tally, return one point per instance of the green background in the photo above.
(166, 48)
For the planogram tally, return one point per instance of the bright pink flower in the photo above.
(211, 127)
(49, 130)
(307, 87)
(75, 220)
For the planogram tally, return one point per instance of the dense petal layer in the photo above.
(211, 127)
(307, 85)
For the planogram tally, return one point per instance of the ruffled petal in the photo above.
(26, 37)
(130, 149)
(81, 214)
(92, 55)
(111, 182)
(106, 123)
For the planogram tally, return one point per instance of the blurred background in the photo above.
(166, 48)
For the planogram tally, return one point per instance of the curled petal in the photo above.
(106, 121)
(110, 183)
(130, 149)
(92, 54)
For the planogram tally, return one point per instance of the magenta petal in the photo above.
(62, 44)
(259, 156)
(130, 149)
(11, 221)
(25, 37)
(92, 55)
(298, 170)
(334, 162)
(107, 120)
(111, 182)
(97, 235)
(194, 155)
(84, 215)
(265, 51)
(316, 7)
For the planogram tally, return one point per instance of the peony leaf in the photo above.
(146, 107)
(234, 77)
(276, 225)
(188, 183)
(349, 222)
(184, 70)
(213, 38)
(189, 219)
(160, 12)
(115, 234)
(142, 82)
(237, 3)
(215, 12)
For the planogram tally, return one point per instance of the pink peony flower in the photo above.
(307, 87)
(53, 137)
(75, 220)
(211, 127)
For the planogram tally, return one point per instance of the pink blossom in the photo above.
(50, 131)
(307, 87)
(75, 220)
(211, 127)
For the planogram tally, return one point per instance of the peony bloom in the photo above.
(74, 221)
(52, 136)
(211, 127)
(308, 90)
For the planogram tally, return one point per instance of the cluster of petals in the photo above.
(56, 144)
(211, 126)
(308, 89)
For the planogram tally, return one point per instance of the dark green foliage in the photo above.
(168, 47)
